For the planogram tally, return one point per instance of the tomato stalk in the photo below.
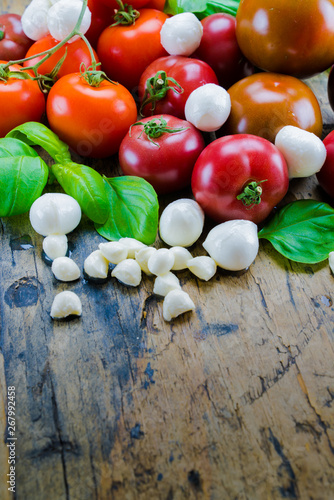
(125, 15)
(157, 88)
(251, 195)
(2, 32)
(153, 129)
(46, 81)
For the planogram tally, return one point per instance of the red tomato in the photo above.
(220, 49)
(326, 175)
(224, 172)
(263, 103)
(165, 161)
(125, 51)
(13, 41)
(102, 16)
(20, 101)
(287, 36)
(189, 73)
(77, 52)
(136, 4)
(156, 4)
(91, 120)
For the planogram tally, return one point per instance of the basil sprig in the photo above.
(120, 206)
(202, 8)
(302, 231)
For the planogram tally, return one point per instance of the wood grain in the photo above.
(233, 401)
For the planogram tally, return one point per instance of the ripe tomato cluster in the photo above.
(123, 94)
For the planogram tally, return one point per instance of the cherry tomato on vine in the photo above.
(284, 36)
(261, 104)
(21, 100)
(92, 120)
(171, 79)
(125, 51)
(240, 177)
(219, 48)
(163, 150)
(77, 53)
(102, 16)
(326, 174)
(13, 41)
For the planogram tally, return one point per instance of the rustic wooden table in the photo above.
(232, 401)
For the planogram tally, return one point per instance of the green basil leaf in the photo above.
(22, 180)
(37, 134)
(201, 8)
(87, 186)
(14, 147)
(302, 231)
(133, 210)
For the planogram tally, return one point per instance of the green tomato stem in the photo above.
(251, 194)
(154, 129)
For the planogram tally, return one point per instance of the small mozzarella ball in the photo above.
(54, 213)
(331, 261)
(142, 257)
(96, 265)
(303, 151)
(181, 34)
(113, 251)
(233, 245)
(208, 107)
(160, 262)
(55, 245)
(165, 283)
(66, 304)
(65, 269)
(181, 223)
(128, 272)
(175, 303)
(34, 19)
(203, 267)
(132, 245)
(181, 257)
(63, 16)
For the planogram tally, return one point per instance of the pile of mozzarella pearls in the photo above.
(232, 245)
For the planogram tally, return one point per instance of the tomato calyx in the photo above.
(6, 73)
(125, 15)
(93, 76)
(157, 88)
(2, 32)
(154, 129)
(251, 194)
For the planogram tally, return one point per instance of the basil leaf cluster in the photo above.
(119, 207)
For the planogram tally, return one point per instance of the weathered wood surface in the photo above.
(233, 401)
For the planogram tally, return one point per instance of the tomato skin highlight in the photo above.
(15, 43)
(91, 120)
(125, 51)
(168, 161)
(227, 166)
(20, 101)
(263, 103)
(284, 36)
(77, 53)
(325, 176)
(219, 48)
(190, 73)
